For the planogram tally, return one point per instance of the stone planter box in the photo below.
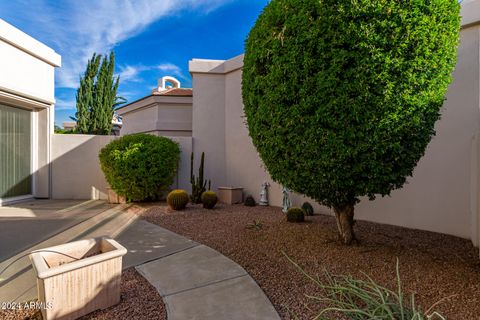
(77, 278)
(113, 197)
(230, 195)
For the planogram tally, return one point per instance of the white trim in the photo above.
(26, 43)
(216, 66)
(15, 199)
(23, 99)
(34, 151)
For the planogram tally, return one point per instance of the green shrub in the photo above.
(360, 299)
(140, 166)
(341, 97)
(295, 214)
(209, 199)
(178, 199)
(307, 208)
(249, 201)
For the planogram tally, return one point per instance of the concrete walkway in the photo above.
(39, 220)
(195, 281)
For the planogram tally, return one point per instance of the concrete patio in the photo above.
(195, 281)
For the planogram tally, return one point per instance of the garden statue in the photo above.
(264, 194)
(286, 200)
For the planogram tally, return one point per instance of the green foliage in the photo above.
(307, 208)
(199, 186)
(209, 199)
(360, 299)
(249, 201)
(295, 214)
(85, 94)
(140, 166)
(178, 199)
(341, 97)
(97, 96)
(58, 130)
(256, 224)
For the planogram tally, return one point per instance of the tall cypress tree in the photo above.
(85, 93)
(97, 96)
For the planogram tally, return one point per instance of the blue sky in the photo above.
(151, 39)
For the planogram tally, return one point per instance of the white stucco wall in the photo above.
(27, 69)
(440, 196)
(76, 172)
(28, 63)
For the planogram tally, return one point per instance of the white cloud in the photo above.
(132, 73)
(62, 104)
(172, 69)
(80, 28)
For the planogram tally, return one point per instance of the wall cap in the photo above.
(26, 43)
(215, 66)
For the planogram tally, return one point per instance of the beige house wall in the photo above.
(76, 172)
(27, 81)
(442, 195)
(164, 115)
(208, 129)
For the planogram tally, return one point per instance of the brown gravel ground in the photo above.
(139, 301)
(432, 265)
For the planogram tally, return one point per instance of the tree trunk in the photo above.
(345, 223)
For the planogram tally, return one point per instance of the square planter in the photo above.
(113, 197)
(230, 195)
(77, 278)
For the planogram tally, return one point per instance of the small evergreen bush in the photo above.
(295, 214)
(209, 199)
(249, 201)
(178, 199)
(307, 208)
(140, 166)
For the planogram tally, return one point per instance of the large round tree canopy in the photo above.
(341, 96)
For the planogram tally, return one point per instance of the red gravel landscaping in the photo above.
(432, 265)
(139, 301)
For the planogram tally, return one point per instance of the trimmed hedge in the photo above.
(140, 166)
(341, 97)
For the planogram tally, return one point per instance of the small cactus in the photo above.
(209, 199)
(307, 208)
(177, 199)
(249, 201)
(199, 185)
(295, 214)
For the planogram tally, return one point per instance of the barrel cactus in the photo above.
(295, 214)
(209, 199)
(307, 208)
(178, 199)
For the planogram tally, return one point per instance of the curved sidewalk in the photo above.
(195, 281)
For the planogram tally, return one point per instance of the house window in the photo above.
(15, 152)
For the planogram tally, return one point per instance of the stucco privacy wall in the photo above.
(27, 81)
(439, 197)
(76, 172)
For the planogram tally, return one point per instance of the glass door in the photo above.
(15, 152)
